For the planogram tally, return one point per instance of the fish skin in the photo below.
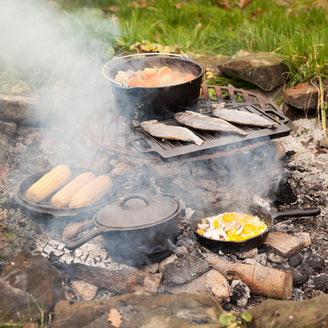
(206, 123)
(161, 130)
(241, 117)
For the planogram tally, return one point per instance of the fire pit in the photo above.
(233, 171)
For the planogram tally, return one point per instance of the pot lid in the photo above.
(138, 211)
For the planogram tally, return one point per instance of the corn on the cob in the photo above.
(92, 192)
(62, 197)
(49, 183)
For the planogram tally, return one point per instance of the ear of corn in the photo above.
(62, 197)
(92, 192)
(49, 183)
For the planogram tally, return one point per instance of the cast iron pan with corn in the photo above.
(45, 206)
(251, 209)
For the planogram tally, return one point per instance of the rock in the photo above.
(19, 109)
(274, 313)
(303, 96)
(29, 281)
(295, 260)
(314, 261)
(139, 310)
(261, 69)
(306, 271)
(298, 278)
(319, 282)
(240, 293)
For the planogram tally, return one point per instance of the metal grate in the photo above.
(114, 133)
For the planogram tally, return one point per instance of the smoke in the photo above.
(60, 55)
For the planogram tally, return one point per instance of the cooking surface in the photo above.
(112, 132)
(214, 140)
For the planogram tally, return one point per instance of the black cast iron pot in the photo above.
(145, 103)
(136, 230)
(252, 209)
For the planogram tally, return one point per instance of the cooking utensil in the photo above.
(46, 207)
(134, 229)
(253, 209)
(144, 103)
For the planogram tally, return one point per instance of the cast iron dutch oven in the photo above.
(146, 103)
(135, 229)
(252, 209)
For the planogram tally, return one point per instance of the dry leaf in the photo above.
(115, 318)
(110, 9)
(243, 3)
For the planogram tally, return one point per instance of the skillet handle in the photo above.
(297, 212)
(79, 241)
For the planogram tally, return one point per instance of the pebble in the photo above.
(316, 262)
(295, 260)
(240, 293)
(298, 278)
(319, 282)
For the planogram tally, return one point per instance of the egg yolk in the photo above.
(248, 229)
(216, 224)
(229, 217)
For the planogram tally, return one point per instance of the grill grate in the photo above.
(114, 133)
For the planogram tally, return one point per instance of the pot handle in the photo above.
(134, 196)
(79, 241)
(298, 212)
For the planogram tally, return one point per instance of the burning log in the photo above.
(120, 280)
(260, 279)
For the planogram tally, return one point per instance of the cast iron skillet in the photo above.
(45, 206)
(254, 210)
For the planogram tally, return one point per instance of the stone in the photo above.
(303, 96)
(29, 282)
(20, 109)
(298, 278)
(140, 310)
(319, 282)
(262, 69)
(314, 261)
(240, 293)
(295, 260)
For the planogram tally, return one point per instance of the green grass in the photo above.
(293, 29)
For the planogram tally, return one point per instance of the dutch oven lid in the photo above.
(137, 211)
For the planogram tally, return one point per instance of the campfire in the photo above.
(164, 249)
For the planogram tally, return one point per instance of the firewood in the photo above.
(285, 243)
(210, 283)
(120, 279)
(260, 279)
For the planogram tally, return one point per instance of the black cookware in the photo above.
(252, 209)
(145, 103)
(135, 229)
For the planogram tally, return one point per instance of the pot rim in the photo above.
(111, 63)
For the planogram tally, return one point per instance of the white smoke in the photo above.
(60, 54)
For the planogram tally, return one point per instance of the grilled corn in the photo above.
(62, 197)
(92, 192)
(49, 183)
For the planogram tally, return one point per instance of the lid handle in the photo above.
(126, 206)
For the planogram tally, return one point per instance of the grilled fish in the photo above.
(206, 123)
(240, 117)
(161, 130)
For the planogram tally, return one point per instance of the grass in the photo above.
(292, 29)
